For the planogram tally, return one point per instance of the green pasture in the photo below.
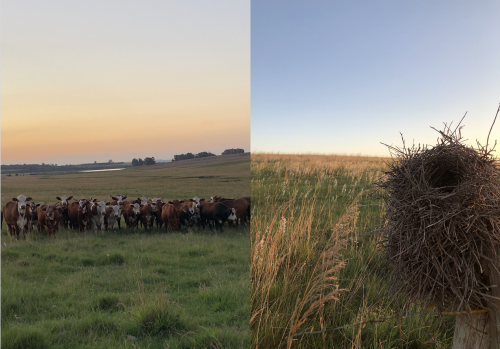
(129, 289)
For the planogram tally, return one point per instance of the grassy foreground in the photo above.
(129, 289)
(315, 262)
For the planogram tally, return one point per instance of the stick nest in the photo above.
(442, 222)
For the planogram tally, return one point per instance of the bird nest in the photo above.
(442, 222)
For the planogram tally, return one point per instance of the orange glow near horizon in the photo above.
(115, 91)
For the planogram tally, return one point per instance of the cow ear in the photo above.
(108, 203)
(124, 197)
(170, 202)
(14, 199)
(113, 197)
(70, 197)
(29, 198)
(95, 200)
(58, 198)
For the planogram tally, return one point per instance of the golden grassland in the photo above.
(315, 264)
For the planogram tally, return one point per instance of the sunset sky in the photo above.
(343, 76)
(97, 80)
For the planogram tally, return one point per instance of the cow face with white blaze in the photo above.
(82, 205)
(64, 200)
(232, 216)
(49, 211)
(197, 199)
(137, 209)
(21, 204)
(143, 200)
(119, 198)
(117, 212)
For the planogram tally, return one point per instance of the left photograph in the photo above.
(125, 174)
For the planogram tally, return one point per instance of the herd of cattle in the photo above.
(82, 214)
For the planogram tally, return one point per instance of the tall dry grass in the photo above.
(314, 266)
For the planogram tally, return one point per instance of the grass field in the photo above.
(129, 289)
(315, 262)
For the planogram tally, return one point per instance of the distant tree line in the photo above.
(205, 154)
(146, 161)
(233, 151)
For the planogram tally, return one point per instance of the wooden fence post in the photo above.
(481, 331)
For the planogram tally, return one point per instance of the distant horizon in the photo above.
(163, 158)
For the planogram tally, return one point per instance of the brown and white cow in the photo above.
(113, 213)
(118, 201)
(132, 214)
(48, 218)
(194, 211)
(147, 216)
(80, 214)
(98, 209)
(16, 214)
(33, 220)
(156, 205)
(242, 207)
(64, 204)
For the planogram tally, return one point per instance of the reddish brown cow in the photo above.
(48, 218)
(215, 212)
(131, 214)
(194, 211)
(170, 216)
(16, 216)
(147, 216)
(80, 214)
(33, 221)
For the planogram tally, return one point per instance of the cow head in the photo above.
(82, 205)
(21, 204)
(49, 212)
(143, 200)
(232, 215)
(153, 207)
(137, 208)
(197, 199)
(116, 211)
(64, 200)
(101, 207)
(119, 198)
(33, 207)
(211, 199)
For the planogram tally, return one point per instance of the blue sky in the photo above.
(343, 76)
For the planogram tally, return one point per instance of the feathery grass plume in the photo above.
(442, 220)
(294, 270)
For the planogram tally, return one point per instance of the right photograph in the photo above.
(375, 174)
